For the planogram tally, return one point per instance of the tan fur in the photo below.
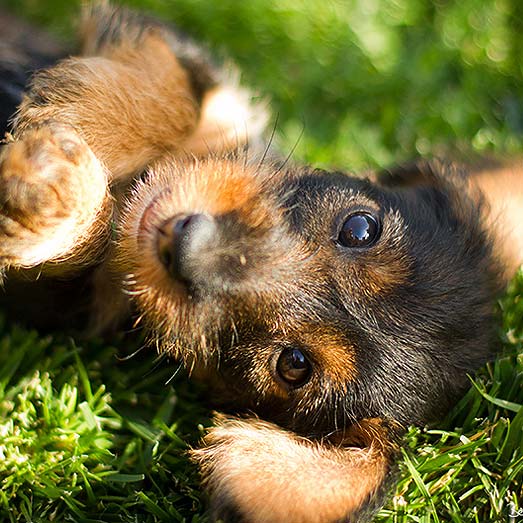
(55, 202)
(228, 117)
(502, 187)
(302, 481)
(131, 106)
(336, 357)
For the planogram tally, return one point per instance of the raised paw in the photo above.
(53, 192)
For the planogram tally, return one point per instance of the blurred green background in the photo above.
(360, 83)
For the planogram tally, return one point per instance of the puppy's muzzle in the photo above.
(183, 243)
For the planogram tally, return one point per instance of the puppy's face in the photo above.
(313, 298)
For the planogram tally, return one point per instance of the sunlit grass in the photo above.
(103, 440)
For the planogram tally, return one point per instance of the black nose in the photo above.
(183, 242)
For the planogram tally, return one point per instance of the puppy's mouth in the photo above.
(149, 218)
(158, 245)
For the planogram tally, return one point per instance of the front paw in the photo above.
(52, 189)
(257, 472)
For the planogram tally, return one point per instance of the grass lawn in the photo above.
(88, 435)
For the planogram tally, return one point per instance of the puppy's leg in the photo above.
(257, 472)
(140, 91)
(130, 107)
(502, 190)
(85, 123)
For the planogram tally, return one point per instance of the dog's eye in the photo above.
(293, 367)
(360, 229)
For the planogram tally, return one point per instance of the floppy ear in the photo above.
(257, 472)
(489, 193)
(436, 173)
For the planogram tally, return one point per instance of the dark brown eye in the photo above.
(360, 229)
(293, 367)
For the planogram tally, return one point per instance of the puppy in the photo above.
(327, 311)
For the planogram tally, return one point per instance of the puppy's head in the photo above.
(313, 298)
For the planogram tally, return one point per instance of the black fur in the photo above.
(413, 344)
(23, 50)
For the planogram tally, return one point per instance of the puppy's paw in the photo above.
(52, 189)
(257, 472)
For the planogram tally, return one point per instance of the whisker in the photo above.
(137, 322)
(174, 374)
(132, 355)
(289, 156)
(157, 364)
(269, 143)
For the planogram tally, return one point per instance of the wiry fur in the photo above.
(390, 331)
(219, 186)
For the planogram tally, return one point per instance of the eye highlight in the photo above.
(293, 367)
(360, 229)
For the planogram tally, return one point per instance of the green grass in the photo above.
(86, 436)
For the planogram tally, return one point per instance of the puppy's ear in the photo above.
(486, 198)
(257, 472)
(436, 173)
